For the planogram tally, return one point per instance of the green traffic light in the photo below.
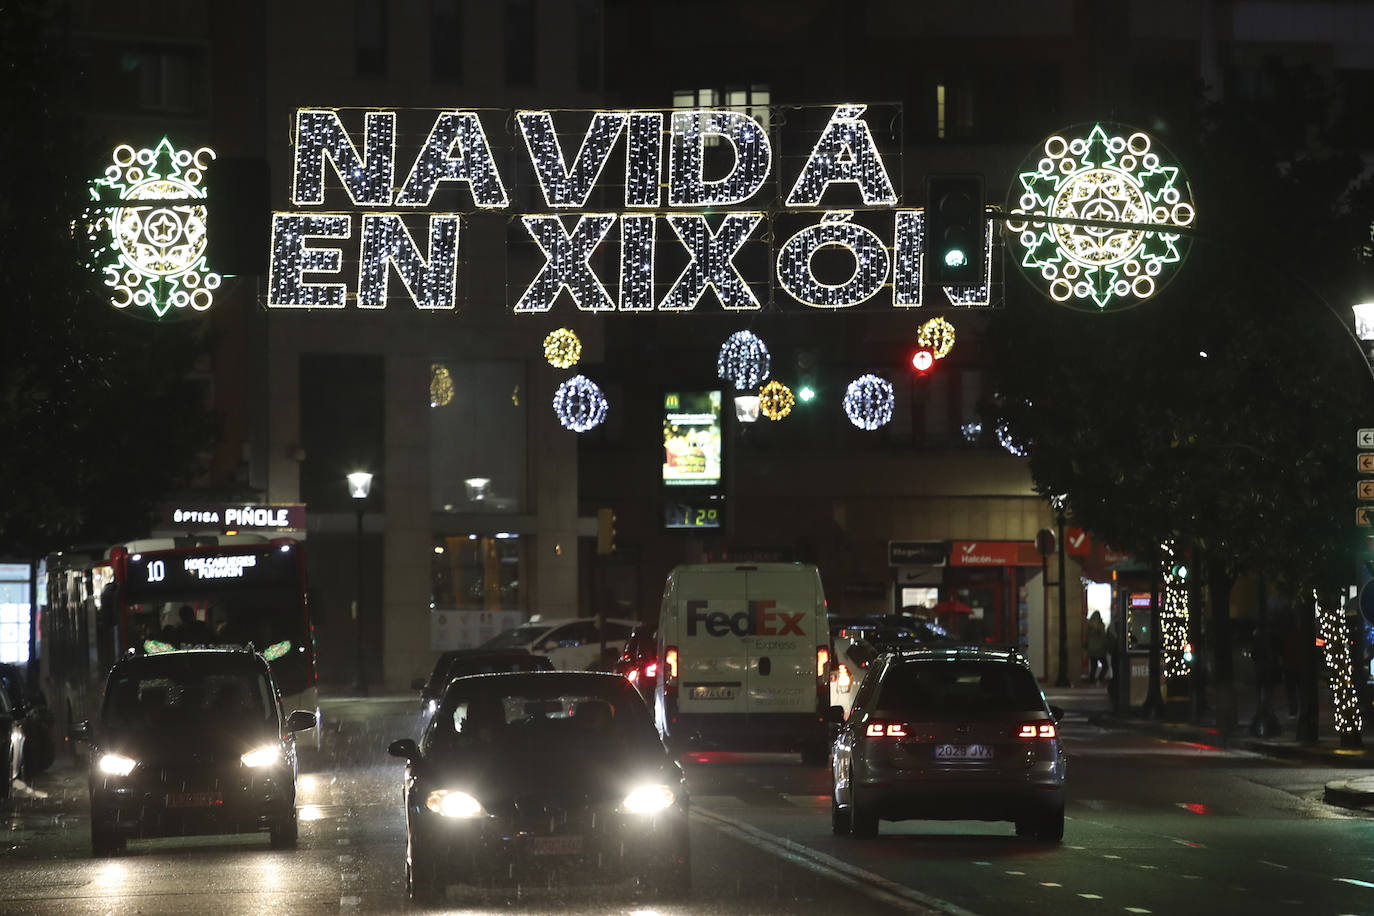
(956, 258)
(806, 394)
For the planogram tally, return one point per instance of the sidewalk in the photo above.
(1355, 790)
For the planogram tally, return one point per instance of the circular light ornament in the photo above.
(743, 360)
(579, 404)
(868, 402)
(1110, 174)
(440, 385)
(562, 348)
(153, 239)
(776, 400)
(938, 335)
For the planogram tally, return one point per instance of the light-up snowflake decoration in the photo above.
(868, 402)
(155, 255)
(1113, 175)
(938, 334)
(579, 404)
(440, 385)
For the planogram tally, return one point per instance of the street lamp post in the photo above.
(1059, 502)
(359, 485)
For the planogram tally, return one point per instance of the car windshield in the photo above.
(172, 692)
(541, 712)
(959, 689)
(517, 636)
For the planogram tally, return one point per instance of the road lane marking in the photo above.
(1136, 909)
(1091, 896)
(1271, 864)
(869, 883)
(1355, 882)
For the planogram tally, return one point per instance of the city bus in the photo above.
(160, 594)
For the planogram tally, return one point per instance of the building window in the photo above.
(519, 31)
(750, 100)
(482, 572)
(369, 37)
(147, 78)
(589, 45)
(446, 41)
(14, 613)
(477, 437)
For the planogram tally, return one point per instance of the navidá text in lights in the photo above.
(699, 213)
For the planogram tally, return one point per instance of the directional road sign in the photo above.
(1364, 517)
(1365, 462)
(1364, 489)
(1364, 438)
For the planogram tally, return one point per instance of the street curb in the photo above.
(1353, 758)
(1344, 795)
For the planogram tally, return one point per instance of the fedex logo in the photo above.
(759, 620)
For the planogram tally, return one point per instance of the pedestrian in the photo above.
(1118, 662)
(1097, 648)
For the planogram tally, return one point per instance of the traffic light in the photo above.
(922, 361)
(605, 531)
(956, 230)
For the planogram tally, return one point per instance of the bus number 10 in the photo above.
(157, 571)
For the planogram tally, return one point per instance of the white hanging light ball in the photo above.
(579, 404)
(868, 402)
(743, 360)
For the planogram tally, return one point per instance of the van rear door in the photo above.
(712, 656)
(780, 674)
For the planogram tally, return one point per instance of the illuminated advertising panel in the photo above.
(692, 439)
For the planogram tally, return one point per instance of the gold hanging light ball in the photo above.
(775, 400)
(440, 385)
(938, 334)
(562, 348)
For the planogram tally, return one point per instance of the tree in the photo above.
(1219, 415)
(95, 412)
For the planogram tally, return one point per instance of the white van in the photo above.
(746, 658)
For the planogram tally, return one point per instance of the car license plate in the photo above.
(713, 692)
(556, 845)
(963, 752)
(194, 799)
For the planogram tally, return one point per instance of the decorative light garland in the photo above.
(835, 230)
(157, 237)
(743, 360)
(687, 185)
(563, 185)
(579, 404)
(972, 432)
(938, 334)
(1116, 176)
(844, 153)
(1345, 695)
(567, 263)
(1174, 613)
(562, 348)
(440, 385)
(1005, 440)
(868, 401)
(776, 400)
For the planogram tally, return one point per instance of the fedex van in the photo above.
(745, 658)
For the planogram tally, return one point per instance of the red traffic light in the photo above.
(922, 360)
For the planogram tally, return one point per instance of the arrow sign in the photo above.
(1365, 462)
(1364, 438)
(1364, 517)
(1364, 489)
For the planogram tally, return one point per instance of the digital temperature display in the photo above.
(707, 514)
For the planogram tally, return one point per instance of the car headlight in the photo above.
(117, 764)
(452, 803)
(649, 799)
(263, 756)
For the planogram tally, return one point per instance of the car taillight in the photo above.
(1037, 730)
(822, 661)
(883, 729)
(651, 670)
(843, 680)
(670, 662)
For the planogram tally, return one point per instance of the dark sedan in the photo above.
(192, 742)
(31, 711)
(540, 777)
(463, 662)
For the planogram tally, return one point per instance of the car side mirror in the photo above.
(1057, 712)
(300, 720)
(81, 731)
(417, 684)
(405, 748)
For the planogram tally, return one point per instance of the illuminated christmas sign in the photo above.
(1099, 188)
(151, 229)
(686, 205)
